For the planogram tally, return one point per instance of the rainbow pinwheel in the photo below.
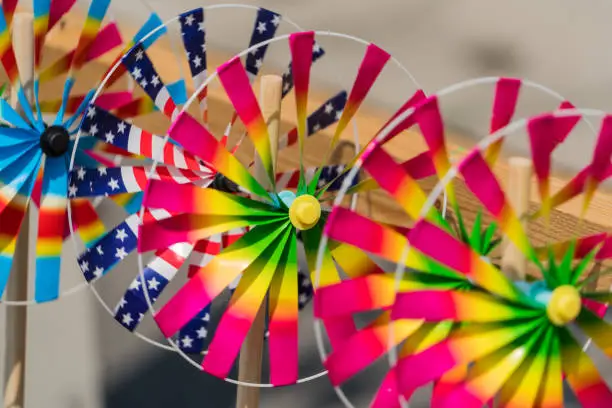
(180, 165)
(461, 263)
(36, 144)
(264, 259)
(512, 340)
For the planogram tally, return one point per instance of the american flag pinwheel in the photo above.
(36, 140)
(444, 262)
(263, 262)
(180, 165)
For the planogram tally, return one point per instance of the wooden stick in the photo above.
(249, 366)
(17, 288)
(514, 263)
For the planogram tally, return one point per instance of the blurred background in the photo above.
(79, 357)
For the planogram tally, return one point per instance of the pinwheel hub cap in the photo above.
(305, 212)
(564, 305)
(54, 141)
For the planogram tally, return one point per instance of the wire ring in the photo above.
(156, 162)
(92, 283)
(431, 199)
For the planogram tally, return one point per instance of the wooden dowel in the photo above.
(514, 263)
(17, 287)
(251, 354)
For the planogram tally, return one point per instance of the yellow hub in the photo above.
(305, 212)
(564, 305)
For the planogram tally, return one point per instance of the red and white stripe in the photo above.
(135, 178)
(146, 144)
(288, 139)
(198, 81)
(168, 261)
(165, 103)
(290, 179)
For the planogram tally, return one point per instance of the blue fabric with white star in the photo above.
(141, 68)
(109, 250)
(194, 40)
(96, 182)
(264, 29)
(107, 127)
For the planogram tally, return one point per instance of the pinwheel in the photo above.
(36, 142)
(375, 290)
(263, 261)
(179, 165)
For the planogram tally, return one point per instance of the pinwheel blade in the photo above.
(484, 185)
(194, 41)
(365, 347)
(283, 315)
(51, 226)
(141, 69)
(198, 140)
(459, 306)
(110, 249)
(156, 276)
(235, 80)
(257, 275)
(582, 375)
(210, 280)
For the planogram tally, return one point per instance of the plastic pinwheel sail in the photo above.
(263, 262)
(37, 142)
(446, 256)
(517, 341)
(178, 164)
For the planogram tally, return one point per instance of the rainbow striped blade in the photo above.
(372, 64)
(442, 247)
(108, 101)
(17, 183)
(41, 26)
(198, 140)
(465, 345)
(488, 375)
(9, 7)
(301, 45)
(383, 241)
(200, 213)
(459, 306)
(7, 54)
(86, 221)
(107, 39)
(582, 375)
(391, 177)
(546, 133)
(365, 347)
(481, 181)
(234, 79)
(136, 107)
(51, 227)
(504, 105)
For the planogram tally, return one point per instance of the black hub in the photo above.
(54, 141)
(224, 184)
